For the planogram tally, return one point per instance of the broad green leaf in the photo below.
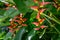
(4, 24)
(31, 34)
(2, 12)
(20, 33)
(2, 18)
(2, 33)
(11, 1)
(29, 3)
(9, 12)
(21, 6)
(8, 35)
(15, 13)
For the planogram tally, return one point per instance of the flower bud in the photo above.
(43, 3)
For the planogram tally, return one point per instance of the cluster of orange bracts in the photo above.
(18, 20)
(40, 11)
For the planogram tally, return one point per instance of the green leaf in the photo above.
(2, 12)
(33, 15)
(2, 18)
(9, 12)
(8, 35)
(31, 34)
(21, 6)
(20, 33)
(15, 13)
(29, 3)
(4, 24)
(2, 33)
(41, 34)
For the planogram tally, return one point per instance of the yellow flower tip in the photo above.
(10, 5)
(36, 10)
(41, 22)
(41, 11)
(36, 1)
(41, 6)
(39, 19)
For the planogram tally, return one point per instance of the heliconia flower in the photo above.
(36, 28)
(43, 26)
(41, 21)
(38, 16)
(36, 1)
(36, 23)
(41, 11)
(24, 24)
(43, 3)
(34, 8)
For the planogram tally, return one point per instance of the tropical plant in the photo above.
(29, 19)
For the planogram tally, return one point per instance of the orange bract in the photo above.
(41, 21)
(38, 16)
(43, 26)
(24, 24)
(43, 3)
(34, 8)
(36, 28)
(36, 23)
(18, 19)
(41, 10)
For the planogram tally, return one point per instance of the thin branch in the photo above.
(53, 26)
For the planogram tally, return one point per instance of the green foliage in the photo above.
(29, 24)
(20, 33)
